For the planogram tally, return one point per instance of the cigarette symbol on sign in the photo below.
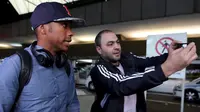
(165, 46)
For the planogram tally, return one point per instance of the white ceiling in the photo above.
(136, 30)
(141, 29)
(27, 6)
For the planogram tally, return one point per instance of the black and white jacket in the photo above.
(110, 86)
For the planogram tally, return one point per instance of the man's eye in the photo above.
(110, 44)
(64, 26)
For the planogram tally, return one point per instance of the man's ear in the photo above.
(98, 48)
(42, 30)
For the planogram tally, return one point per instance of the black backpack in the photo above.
(26, 71)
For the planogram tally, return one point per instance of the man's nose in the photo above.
(117, 46)
(70, 32)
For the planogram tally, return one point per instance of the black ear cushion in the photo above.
(45, 59)
(48, 54)
(61, 59)
(41, 59)
(57, 60)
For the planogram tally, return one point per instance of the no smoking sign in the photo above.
(159, 44)
(163, 44)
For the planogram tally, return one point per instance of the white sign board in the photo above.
(159, 44)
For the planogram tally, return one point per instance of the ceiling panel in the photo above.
(10, 12)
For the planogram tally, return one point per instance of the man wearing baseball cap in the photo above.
(51, 87)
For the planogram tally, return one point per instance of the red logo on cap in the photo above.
(67, 10)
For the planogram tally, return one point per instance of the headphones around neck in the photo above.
(46, 59)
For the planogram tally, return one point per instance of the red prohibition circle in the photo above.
(160, 42)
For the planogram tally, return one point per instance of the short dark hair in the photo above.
(98, 37)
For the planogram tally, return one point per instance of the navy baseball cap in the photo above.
(53, 12)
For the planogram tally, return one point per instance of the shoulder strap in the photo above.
(25, 73)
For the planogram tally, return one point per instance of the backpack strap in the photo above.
(25, 73)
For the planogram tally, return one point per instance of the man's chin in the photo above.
(64, 50)
(114, 60)
(117, 58)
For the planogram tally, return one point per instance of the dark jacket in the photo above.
(111, 86)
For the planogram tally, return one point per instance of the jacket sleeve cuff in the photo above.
(161, 74)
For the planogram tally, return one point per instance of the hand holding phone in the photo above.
(179, 45)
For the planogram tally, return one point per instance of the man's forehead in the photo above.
(109, 36)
